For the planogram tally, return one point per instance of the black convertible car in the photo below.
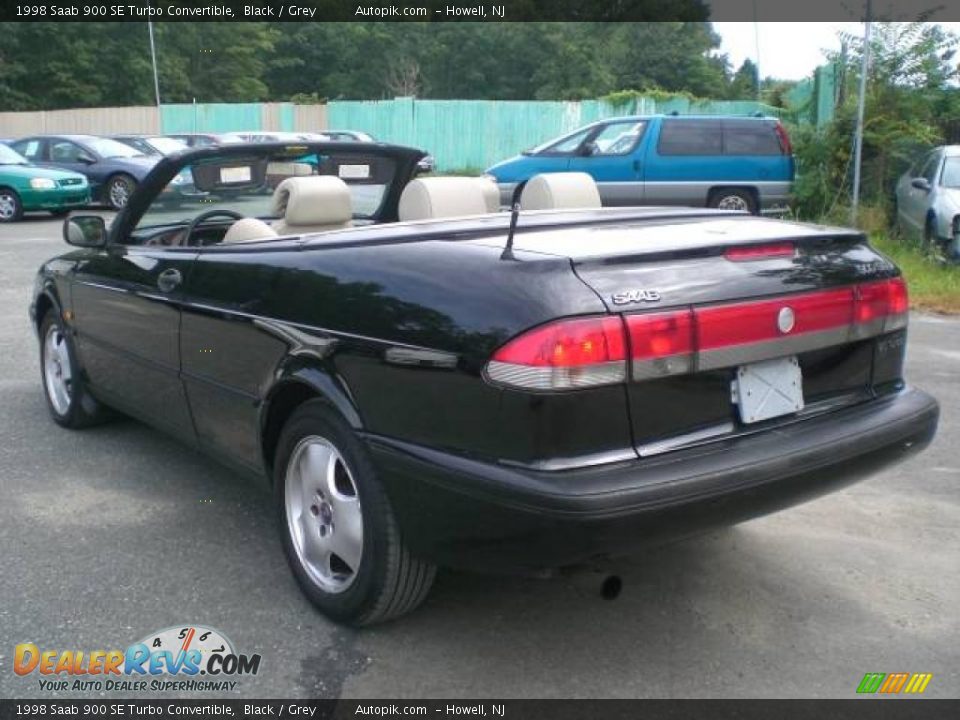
(427, 381)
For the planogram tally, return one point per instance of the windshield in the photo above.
(246, 185)
(166, 145)
(9, 156)
(951, 173)
(107, 148)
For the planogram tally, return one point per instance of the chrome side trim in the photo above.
(99, 286)
(679, 441)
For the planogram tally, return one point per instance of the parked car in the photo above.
(25, 187)
(928, 200)
(152, 144)
(112, 169)
(426, 164)
(731, 163)
(425, 383)
(203, 139)
(258, 136)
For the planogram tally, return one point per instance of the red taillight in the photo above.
(585, 352)
(785, 144)
(567, 343)
(759, 252)
(564, 354)
(723, 326)
(883, 304)
(661, 343)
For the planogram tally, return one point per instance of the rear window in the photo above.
(691, 137)
(719, 137)
(750, 138)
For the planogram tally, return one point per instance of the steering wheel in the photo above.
(203, 217)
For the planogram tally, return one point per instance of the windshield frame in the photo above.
(149, 189)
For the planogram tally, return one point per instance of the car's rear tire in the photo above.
(118, 190)
(68, 399)
(11, 208)
(733, 199)
(339, 532)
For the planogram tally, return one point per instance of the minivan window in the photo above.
(563, 146)
(619, 138)
(691, 137)
(746, 137)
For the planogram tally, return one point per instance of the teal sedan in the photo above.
(25, 187)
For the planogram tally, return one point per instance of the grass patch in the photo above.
(934, 285)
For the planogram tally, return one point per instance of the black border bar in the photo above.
(474, 10)
(854, 709)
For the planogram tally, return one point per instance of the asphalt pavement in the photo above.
(114, 532)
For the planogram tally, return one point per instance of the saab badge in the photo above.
(631, 297)
(786, 319)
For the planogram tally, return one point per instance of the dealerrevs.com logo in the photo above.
(182, 658)
(894, 683)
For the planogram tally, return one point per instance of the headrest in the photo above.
(442, 197)
(247, 229)
(314, 200)
(551, 191)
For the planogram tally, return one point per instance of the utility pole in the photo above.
(153, 58)
(861, 100)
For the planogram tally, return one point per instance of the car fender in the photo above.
(45, 296)
(297, 379)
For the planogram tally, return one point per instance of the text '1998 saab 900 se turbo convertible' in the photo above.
(427, 381)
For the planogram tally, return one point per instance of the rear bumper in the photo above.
(463, 513)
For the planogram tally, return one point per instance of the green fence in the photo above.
(474, 134)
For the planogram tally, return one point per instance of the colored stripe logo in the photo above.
(894, 683)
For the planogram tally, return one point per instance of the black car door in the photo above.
(127, 318)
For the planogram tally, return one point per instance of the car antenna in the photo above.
(507, 253)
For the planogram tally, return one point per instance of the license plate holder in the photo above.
(768, 389)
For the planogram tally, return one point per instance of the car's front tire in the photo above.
(11, 208)
(118, 191)
(339, 532)
(68, 399)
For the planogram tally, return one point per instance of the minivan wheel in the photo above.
(339, 532)
(70, 404)
(742, 200)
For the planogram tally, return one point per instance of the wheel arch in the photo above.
(297, 383)
(46, 300)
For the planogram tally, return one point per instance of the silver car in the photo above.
(928, 200)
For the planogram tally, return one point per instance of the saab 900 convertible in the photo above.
(426, 381)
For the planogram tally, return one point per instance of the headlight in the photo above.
(42, 184)
(491, 178)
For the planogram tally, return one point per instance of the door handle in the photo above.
(169, 280)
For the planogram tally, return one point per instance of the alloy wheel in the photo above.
(57, 371)
(8, 206)
(732, 202)
(323, 514)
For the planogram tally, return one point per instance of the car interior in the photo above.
(251, 201)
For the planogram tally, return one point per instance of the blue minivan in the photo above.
(734, 163)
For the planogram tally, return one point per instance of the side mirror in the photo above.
(921, 183)
(89, 231)
(86, 159)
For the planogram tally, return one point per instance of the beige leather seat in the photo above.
(248, 229)
(553, 191)
(444, 197)
(311, 204)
